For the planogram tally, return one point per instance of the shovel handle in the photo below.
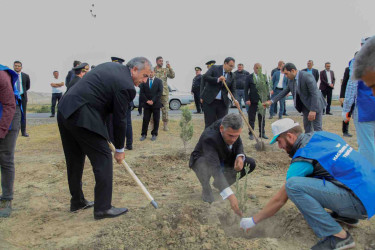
(240, 110)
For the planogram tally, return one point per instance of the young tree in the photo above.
(186, 127)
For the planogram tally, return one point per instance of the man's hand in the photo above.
(238, 164)
(248, 103)
(271, 92)
(150, 102)
(236, 103)
(247, 223)
(168, 66)
(119, 156)
(331, 85)
(201, 100)
(266, 104)
(342, 101)
(221, 78)
(345, 116)
(312, 116)
(234, 204)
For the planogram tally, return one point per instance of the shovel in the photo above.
(259, 146)
(135, 178)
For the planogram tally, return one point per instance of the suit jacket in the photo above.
(308, 93)
(154, 94)
(69, 77)
(212, 87)
(344, 83)
(315, 73)
(196, 86)
(211, 145)
(25, 84)
(72, 82)
(324, 81)
(276, 79)
(251, 91)
(106, 89)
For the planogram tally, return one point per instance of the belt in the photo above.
(280, 88)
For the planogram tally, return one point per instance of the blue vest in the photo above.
(365, 103)
(344, 164)
(17, 96)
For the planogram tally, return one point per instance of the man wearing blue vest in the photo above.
(325, 172)
(10, 123)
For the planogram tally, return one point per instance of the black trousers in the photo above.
(147, 112)
(214, 111)
(77, 143)
(327, 94)
(55, 98)
(129, 128)
(261, 122)
(197, 101)
(204, 171)
(345, 126)
(23, 121)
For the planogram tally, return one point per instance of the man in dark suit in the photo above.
(327, 83)
(308, 100)
(71, 73)
(219, 153)
(209, 64)
(345, 124)
(196, 89)
(79, 72)
(107, 89)
(253, 95)
(23, 84)
(311, 70)
(215, 96)
(150, 93)
(279, 81)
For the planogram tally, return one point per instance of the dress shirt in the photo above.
(329, 80)
(56, 90)
(20, 79)
(218, 97)
(280, 83)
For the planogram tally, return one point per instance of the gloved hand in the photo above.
(247, 223)
(345, 116)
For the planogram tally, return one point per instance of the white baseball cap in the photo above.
(281, 126)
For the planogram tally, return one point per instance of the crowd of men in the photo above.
(325, 172)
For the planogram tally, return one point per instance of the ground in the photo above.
(41, 217)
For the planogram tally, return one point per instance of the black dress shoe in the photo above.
(129, 147)
(264, 136)
(153, 138)
(52, 116)
(143, 138)
(329, 113)
(110, 213)
(347, 135)
(84, 205)
(25, 135)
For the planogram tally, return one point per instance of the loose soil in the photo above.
(41, 217)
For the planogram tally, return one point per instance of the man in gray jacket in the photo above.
(308, 100)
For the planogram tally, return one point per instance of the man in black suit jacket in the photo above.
(311, 70)
(327, 83)
(219, 153)
(79, 72)
(252, 98)
(107, 89)
(150, 93)
(215, 96)
(24, 82)
(71, 73)
(196, 89)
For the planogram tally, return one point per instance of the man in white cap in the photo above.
(325, 172)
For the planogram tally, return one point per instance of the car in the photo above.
(176, 98)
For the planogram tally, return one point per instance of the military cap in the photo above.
(212, 62)
(78, 68)
(117, 59)
(198, 68)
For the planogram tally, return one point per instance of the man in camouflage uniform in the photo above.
(164, 74)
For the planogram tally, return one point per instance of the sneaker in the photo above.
(153, 138)
(347, 221)
(143, 138)
(333, 242)
(271, 116)
(251, 137)
(5, 208)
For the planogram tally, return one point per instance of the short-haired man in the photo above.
(311, 70)
(215, 96)
(327, 83)
(71, 72)
(240, 74)
(81, 118)
(308, 100)
(23, 85)
(196, 89)
(279, 82)
(280, 65)
(79, 72)
(163, 74)
(56, 85)
(325, 172)
(203, 83)
(219, 153)
(10, 122)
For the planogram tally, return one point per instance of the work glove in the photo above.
(345, 116)
(247, 223)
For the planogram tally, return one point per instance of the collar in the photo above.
(296, 78)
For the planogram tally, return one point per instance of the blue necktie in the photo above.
(18, 84)
(150, 83)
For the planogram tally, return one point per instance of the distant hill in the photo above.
(38, 97)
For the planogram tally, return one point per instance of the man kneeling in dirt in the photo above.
(219, 153)
(325, 172)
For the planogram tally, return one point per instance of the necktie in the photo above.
(150, 83)
(18, 83)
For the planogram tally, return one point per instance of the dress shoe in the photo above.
(271, 116)
(25, 135)
(329, 113)
(285, 114)
(84, 205)
(251, 137)
(110, 213)
(143, 138)
(263, 136)
(153, 138)
(52, 116)
(129, 147)
(347, 135)
(196, 112)
(207, 196)
(5, 208)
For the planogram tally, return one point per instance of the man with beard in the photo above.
(325, 172)
(81, 118)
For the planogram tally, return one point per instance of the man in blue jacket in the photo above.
(325, 172)
(279, 82)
